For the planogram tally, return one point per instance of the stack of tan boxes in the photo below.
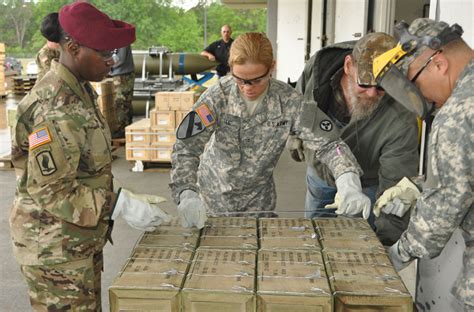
(2, 70)
(106, 101)
(291, 273)
(358, 268)
(153, 276)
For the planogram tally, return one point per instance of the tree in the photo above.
(18, 14)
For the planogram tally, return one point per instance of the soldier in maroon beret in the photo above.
(64, 202)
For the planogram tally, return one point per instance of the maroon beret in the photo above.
(93, 28)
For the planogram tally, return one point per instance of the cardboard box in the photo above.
(356, 256)
(204, 293)
(162, 101)
(246, 222)
(285, 223)
(333, 233)
(232, 242)
(291, 256)
(2, 47)
(181, 241)
(164, 253)
(104, 87)
(146, 292)
(226, 256)
(175, 101)
(222, 269)
(230, 231)
(342, 223)
(154, 266)
(341, 270)
(369, 244)
(293, 294)
(287, 232)
(175, 230)
(281, 269)
(289, 243)
(163, 138)
(138, 133)
(162, 120)
(188, 98)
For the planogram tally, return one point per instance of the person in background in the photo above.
(229, 144)
(381, 133)
(49, 52)
(64, 203)
(219, 50)
(123, 75)
(441, 65)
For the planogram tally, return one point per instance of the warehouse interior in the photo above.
(299, 24)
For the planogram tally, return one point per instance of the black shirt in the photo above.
(220, 50)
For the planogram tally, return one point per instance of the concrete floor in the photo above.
(290, 182)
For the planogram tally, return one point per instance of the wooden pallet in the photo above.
(154, 166)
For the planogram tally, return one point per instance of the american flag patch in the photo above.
(39, 137)
(206, 115)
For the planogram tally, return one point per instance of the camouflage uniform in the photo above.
(59, 220)
(231, 163)
(447, 200)
(44, 58)
(124, 85)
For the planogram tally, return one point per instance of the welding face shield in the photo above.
(390, 69)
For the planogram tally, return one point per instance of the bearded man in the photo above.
(381, 133)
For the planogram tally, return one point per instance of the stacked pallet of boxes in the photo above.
(152, 139)
(106, 101)
(359, 270)
(2, 70)
(153, 276)
(291, 273)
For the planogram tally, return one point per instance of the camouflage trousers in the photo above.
(69, 286)
(123, 85)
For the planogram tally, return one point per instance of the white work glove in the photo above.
(191, 210)
(349, 199)
(399, 262)
(397, 199)
(140, 210)
(295, 147)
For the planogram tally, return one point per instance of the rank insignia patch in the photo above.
(46, 163)
(206, 115)
(39, 137)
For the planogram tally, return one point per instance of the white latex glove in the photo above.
(295, 147)
(399, 262)
(140, 210)
(397, 199)
(191, 210)
(349, 199)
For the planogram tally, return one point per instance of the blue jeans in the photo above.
(320, 194)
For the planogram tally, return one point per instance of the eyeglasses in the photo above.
(251, 82)
(107, 55)
(379, 88)
(422, 68)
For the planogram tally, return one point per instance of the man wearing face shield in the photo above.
(339, 78)
(438, 68)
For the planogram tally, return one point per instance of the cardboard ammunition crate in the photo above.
(181, 241)
(341, 270)
(138, 133)
(279, 269)
(244, 222)
(104, 87)
(311, 243)
(155, 266)
(204, 293)
(369, 244)
(300, 223)
(342, 223)
(171, 254)
(266, 232)
(232, 242)
(146, 292)
(229, 231)
(106, 104)
(291, 256)
(222, 269)
(293, 294)
(332, 233)
(226, 256)
(162, 120)
(175, 230)
(163, 138)
(136, 152)
(180, 116)
(357, 257)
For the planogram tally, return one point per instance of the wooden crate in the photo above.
(180, 116)
(161, 154)
(136, 152)
(163, 138)
(139, 133)
(204, 293)
(162, 120)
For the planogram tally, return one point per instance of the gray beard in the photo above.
(361, 108)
